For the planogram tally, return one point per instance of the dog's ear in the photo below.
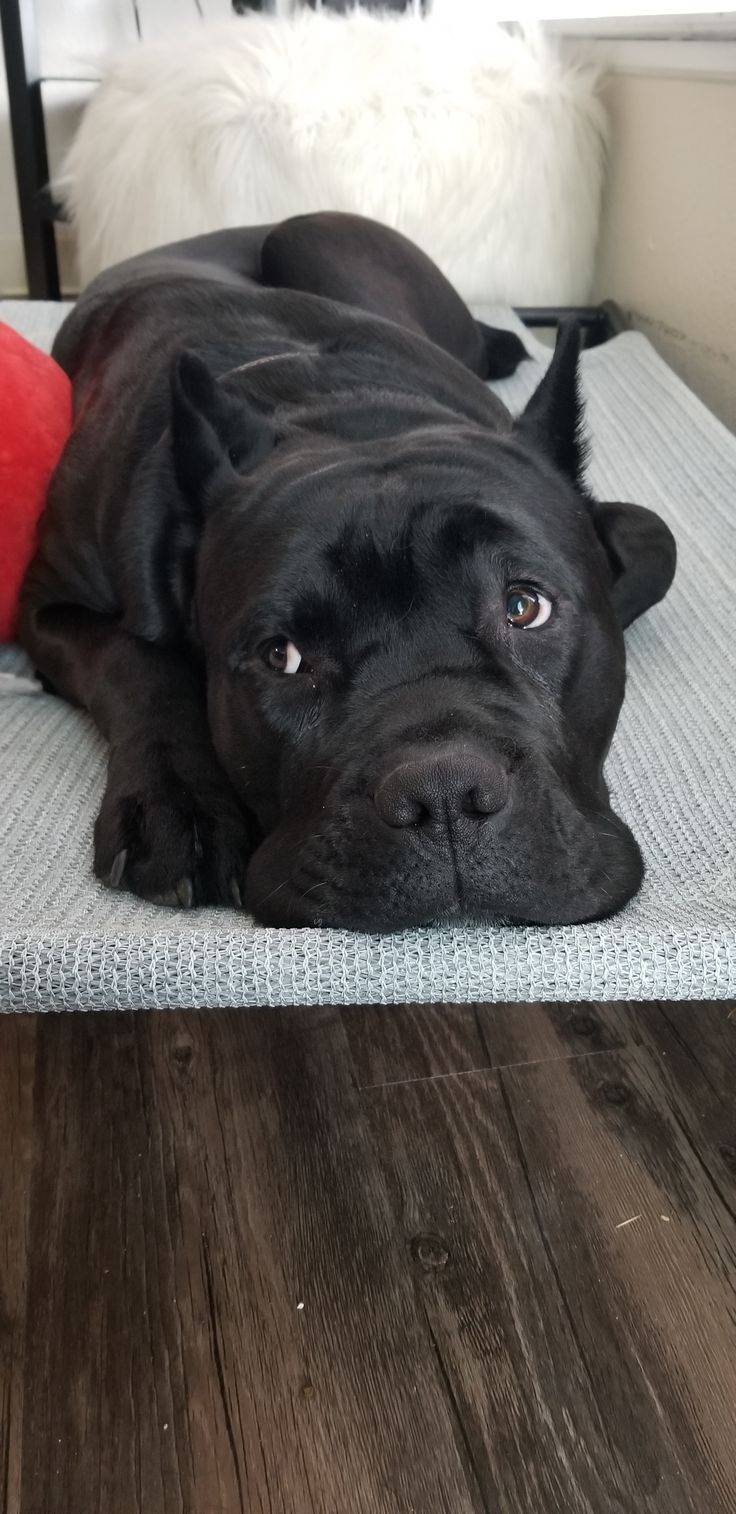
(211, 430)
(553, 419)
(640, 548)
(642, 554)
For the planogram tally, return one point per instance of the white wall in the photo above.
(12, 273)
(668, 234)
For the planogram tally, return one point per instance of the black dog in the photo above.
(353, 635)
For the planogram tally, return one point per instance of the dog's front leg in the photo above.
(170, 827)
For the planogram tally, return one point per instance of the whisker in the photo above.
(276, 890)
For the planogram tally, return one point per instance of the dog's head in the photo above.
(415, 656)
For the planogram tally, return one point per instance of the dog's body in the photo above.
(354, 637)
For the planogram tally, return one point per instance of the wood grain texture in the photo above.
(397, 1043)
(102, 1344)
(521, 1033)
(17, 1065)
(501, 1329)
(402, 1042)
(334, 1405)
(317, 1261)
(213, 1175)
(643, 1242)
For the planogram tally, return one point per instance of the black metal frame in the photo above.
(598, 322)
(20, 44)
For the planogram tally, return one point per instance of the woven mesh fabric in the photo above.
(67, 943)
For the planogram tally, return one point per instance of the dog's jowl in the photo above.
(354, 636)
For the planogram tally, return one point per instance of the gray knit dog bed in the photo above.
(68, 943)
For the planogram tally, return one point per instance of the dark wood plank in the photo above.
(197, 1179)
(102, 1342)
(643, 1243)
(706, 1035)
(517, 1033)
(504, 1334)
(17, 1065)
(695, 1049)
(337, 1405)
(395, 1043)
(517, 1284)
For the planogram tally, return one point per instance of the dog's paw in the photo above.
(171, 830)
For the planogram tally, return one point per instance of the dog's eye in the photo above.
(282, 656)
(526, 608)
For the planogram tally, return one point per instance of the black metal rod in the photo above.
(29, 145)
(595, 320)
(551, 315)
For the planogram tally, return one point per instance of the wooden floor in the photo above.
(369, 1260)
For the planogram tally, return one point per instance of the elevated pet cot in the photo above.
(66, 942)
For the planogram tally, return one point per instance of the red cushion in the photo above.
(35, 421)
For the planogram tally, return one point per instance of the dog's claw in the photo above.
(236, 894)
(118, 868)
(185, 893)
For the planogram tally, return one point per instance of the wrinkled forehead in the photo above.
(356, 529)
(443, 464)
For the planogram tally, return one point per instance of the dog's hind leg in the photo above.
(361, 263)
(504, 350)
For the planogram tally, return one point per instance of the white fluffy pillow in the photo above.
(482, 146)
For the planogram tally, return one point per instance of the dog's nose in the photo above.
(438, 789)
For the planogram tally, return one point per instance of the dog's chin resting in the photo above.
(400, 884)
(354, 636)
